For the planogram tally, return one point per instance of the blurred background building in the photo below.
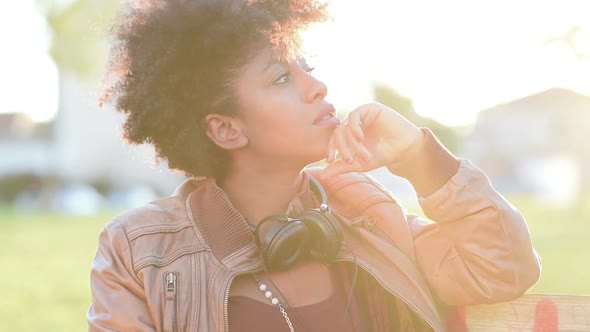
(536, 144)
(77, 162)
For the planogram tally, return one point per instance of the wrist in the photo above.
(418, 139)
(428, 165)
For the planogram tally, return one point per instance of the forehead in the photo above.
(262, 59)
(267, 57)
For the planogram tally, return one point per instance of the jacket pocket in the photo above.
(171, 289)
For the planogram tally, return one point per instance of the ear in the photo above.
(225, 131)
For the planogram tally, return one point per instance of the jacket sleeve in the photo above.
(478, 249)
(118, 301)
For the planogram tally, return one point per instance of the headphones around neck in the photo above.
(314, 232)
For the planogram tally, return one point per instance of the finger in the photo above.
(355, 126)
(356, 136)
(356, 144)
(334, 143)
(342, 144)
(331, 154)
(360, 150)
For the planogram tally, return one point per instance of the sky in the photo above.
(452, 58)
(456, 57)
(29, 79)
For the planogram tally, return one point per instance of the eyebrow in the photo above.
(270, 64)
(302, 60)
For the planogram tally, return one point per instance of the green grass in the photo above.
(45, 262)
(561, 236)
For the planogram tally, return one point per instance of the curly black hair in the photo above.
(172, 62)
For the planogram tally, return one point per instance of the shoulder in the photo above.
(156, 232)
(165, 214)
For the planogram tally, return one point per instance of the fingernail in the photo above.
(329, 154)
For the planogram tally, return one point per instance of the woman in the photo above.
(257, 242)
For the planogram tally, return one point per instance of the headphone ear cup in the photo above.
(284, 244)
(325, 234)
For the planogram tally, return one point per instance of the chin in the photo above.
(315, 153)
(318, 158)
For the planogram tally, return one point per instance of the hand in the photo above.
(372, 136)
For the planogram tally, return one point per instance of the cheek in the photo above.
(274, 118)
(276, 124)
(269, 130)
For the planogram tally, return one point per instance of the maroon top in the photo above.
(371, 309)
(246, 314)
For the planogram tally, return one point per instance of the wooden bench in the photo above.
(531, 312)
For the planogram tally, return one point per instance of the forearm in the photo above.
(479, 248)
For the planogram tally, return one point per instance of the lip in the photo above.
(326, 109)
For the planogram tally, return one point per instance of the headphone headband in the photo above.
(317, 188)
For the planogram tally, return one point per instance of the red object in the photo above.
(456, 320)
(546, 316)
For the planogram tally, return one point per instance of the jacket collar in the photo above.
(223, 228)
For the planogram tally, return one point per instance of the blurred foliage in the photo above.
(404, 105)
(571, 40)
(80, 30)
(13, 185)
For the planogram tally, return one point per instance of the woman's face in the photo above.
(283, 110)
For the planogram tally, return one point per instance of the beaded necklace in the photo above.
(275, 301)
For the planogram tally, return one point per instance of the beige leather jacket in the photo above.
(168, 266)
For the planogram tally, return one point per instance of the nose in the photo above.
(314, 89)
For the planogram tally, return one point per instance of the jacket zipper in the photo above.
(226, 300)
(392, 292)
(170, 309)
(225, 303)
(226, 294)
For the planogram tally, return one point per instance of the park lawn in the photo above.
(561, 236)
(45, 260)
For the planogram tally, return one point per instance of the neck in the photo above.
(257, 193)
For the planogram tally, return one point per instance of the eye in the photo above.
(284, 78)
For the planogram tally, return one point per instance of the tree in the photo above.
(79, 33)
(404, 105)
